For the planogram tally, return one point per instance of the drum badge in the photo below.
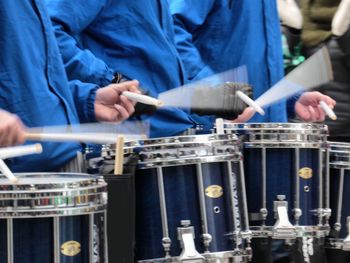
(305, 173)
(70, 248)
(214, 191)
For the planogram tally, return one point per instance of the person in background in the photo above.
(106, 41)
(217, 35)
(327, 23)
(34, 86)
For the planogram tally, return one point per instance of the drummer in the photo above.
(217, 35)
(34, 86)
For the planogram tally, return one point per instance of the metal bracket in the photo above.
(346, 242)
(185, 235)
(282, 229)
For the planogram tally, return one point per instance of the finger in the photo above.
(321, 114)
(246, 115)
(312, 113)
(128, 104)
(123, 114)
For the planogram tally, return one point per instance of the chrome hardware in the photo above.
(282, 229)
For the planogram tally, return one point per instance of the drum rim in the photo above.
(87, 195)
(276, 126)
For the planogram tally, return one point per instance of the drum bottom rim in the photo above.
(242, 255)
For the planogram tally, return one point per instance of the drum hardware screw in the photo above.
(337, 227)
(297, 213)
(306, 188)
(207, 238)
(185, 223)
(216, 209)
(281, 197)
(166, 242)
(264, 213)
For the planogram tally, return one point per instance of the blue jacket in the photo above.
(33, 83)
(135, 38)
(217, 35)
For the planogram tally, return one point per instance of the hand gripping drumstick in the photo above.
(142, 98)
(13, 152)
(328, 110)
(250, 102)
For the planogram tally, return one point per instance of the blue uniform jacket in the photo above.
(217, 35)
(135, 38)
(33, 83)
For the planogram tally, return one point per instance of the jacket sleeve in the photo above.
(84, 95)
(69, 19)
(188, 16)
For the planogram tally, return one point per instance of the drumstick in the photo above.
(119, 156)
(219, 123)
(250, 102)
(142, 98)
(98, 138)
(328, 110)
(6, 171)
(10, 152)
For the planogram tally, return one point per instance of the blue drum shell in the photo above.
(181, 193)
(281, 180)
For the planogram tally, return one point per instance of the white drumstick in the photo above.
(142, 98)
(10, 152)
(98, 138)
(219, 123)
(328, 110)
(6, 171)
(250, 102)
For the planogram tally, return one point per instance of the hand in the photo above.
(246, 115)
(289, 13)
(111, 106)
(307, 107)
(12, 130)
(341, 19)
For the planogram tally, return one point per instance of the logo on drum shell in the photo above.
(214, 191)
(305, 173)
(70, 248)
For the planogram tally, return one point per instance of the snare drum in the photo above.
(49, 217)
(340, 196)
(285, 167)
(190, 200)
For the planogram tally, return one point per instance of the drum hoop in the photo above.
(60, 212)
(188, 161)
(276, 126)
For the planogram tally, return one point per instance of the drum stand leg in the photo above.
(297, 211)
(56, 239)
(206, 236)
(166, 241)
(337, 225)
(263, 210)
(9, 240)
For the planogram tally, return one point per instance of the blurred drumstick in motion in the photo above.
(99, 133)
(250, 102)
(186, 96)
(98, 138)
(142, 98)
(328, 110)
(119, 156)
(315, 71)
(10, 152)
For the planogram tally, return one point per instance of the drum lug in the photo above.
(346, 242)
(185, 235)
(297, 214)
(282, 229)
